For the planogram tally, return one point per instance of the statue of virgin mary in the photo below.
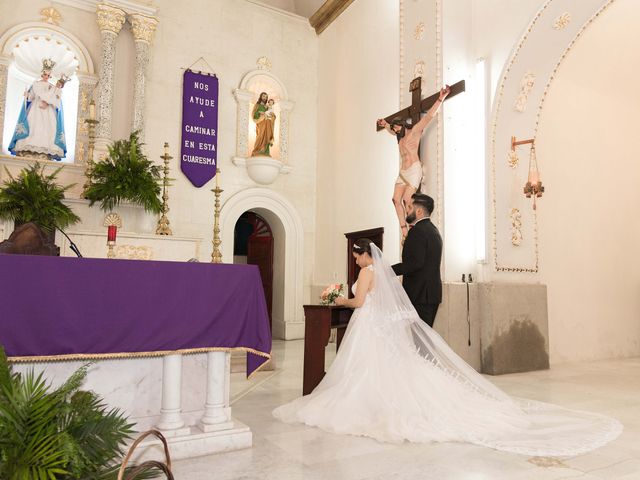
(40, 127)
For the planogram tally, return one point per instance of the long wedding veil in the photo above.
(402, 325)
(493, 418)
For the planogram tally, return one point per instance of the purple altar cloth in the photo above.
(59, 308)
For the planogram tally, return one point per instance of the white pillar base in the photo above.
(197, 444)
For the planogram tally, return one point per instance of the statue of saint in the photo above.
(265, 119)
(40, 127)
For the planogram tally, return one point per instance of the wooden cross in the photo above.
(419, 106)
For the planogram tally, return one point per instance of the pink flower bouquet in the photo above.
(330, 293)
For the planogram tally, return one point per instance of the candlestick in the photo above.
(91, 126)
(216, 255)
(163, 222)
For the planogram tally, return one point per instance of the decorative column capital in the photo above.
(143, 27)
(243, 95)
(110, 19)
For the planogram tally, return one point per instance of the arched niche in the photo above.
(519, 99)
(70, 53)
(262, 169)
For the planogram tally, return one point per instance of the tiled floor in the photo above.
(292, 452)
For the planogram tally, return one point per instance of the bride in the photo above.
(396, 379)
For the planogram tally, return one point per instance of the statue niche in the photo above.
(263, 126)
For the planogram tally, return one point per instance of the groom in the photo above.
(421, 256)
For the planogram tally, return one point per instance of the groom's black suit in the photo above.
(420, 267)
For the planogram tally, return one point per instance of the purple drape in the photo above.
(72, 308)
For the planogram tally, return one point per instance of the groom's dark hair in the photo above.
(423, 201)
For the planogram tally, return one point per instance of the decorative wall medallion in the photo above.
(547, 462)
(562, 21)
(418, 33)
(51, 15)
(526, 84)
(516, 227)
(419, 69)
(133, 252)
(264, 64)
(513, 159)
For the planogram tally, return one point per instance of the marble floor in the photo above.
(292, 452)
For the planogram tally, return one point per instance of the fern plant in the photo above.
(35, 197)
(62, 433)
(125, 175)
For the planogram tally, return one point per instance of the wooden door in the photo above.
(260, 253)
(373, 234)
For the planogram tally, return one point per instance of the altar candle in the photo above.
(217, 176)
(111, 233)
(166, 149)
(92, 110)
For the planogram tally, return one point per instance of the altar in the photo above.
(154, 329)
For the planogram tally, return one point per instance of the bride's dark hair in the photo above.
(362, 245)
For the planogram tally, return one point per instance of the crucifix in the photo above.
(407, 126)
(419, 105)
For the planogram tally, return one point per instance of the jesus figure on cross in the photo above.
(410, 176)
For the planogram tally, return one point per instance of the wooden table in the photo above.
(319, 320)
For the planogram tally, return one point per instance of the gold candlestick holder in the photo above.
(216, 255)
(91, 127)
(163, 223)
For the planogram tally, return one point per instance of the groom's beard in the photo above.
(411, 217)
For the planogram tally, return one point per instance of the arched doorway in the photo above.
(288, 261)
(253, 245)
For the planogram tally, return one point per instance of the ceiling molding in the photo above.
(327, 13)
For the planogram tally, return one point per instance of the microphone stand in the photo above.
(72, 245)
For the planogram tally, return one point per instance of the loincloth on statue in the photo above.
(412, 176)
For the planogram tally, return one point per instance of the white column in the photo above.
(285, 111)
(110, 21)
(143, 28)
(243, 99)
(85, 94)
(217, 412)
(171, 422)
(4, 73)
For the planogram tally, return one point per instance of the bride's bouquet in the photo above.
(329, 295)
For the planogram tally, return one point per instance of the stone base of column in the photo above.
(197, 444)
(176, 432)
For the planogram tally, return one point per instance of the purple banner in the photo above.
(199, 148)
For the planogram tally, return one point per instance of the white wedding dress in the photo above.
(396, 379)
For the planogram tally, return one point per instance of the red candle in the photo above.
(111, 233)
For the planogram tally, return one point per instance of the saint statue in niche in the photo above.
(265, 119)
(40, 128)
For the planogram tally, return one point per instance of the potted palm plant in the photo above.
(35, 197)
(63, 433)
(125, 175)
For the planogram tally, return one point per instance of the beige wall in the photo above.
(231, 36)
(357, 167)
(589, 232)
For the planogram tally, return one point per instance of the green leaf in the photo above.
(126, 175)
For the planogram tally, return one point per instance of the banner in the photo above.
(199, 146)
